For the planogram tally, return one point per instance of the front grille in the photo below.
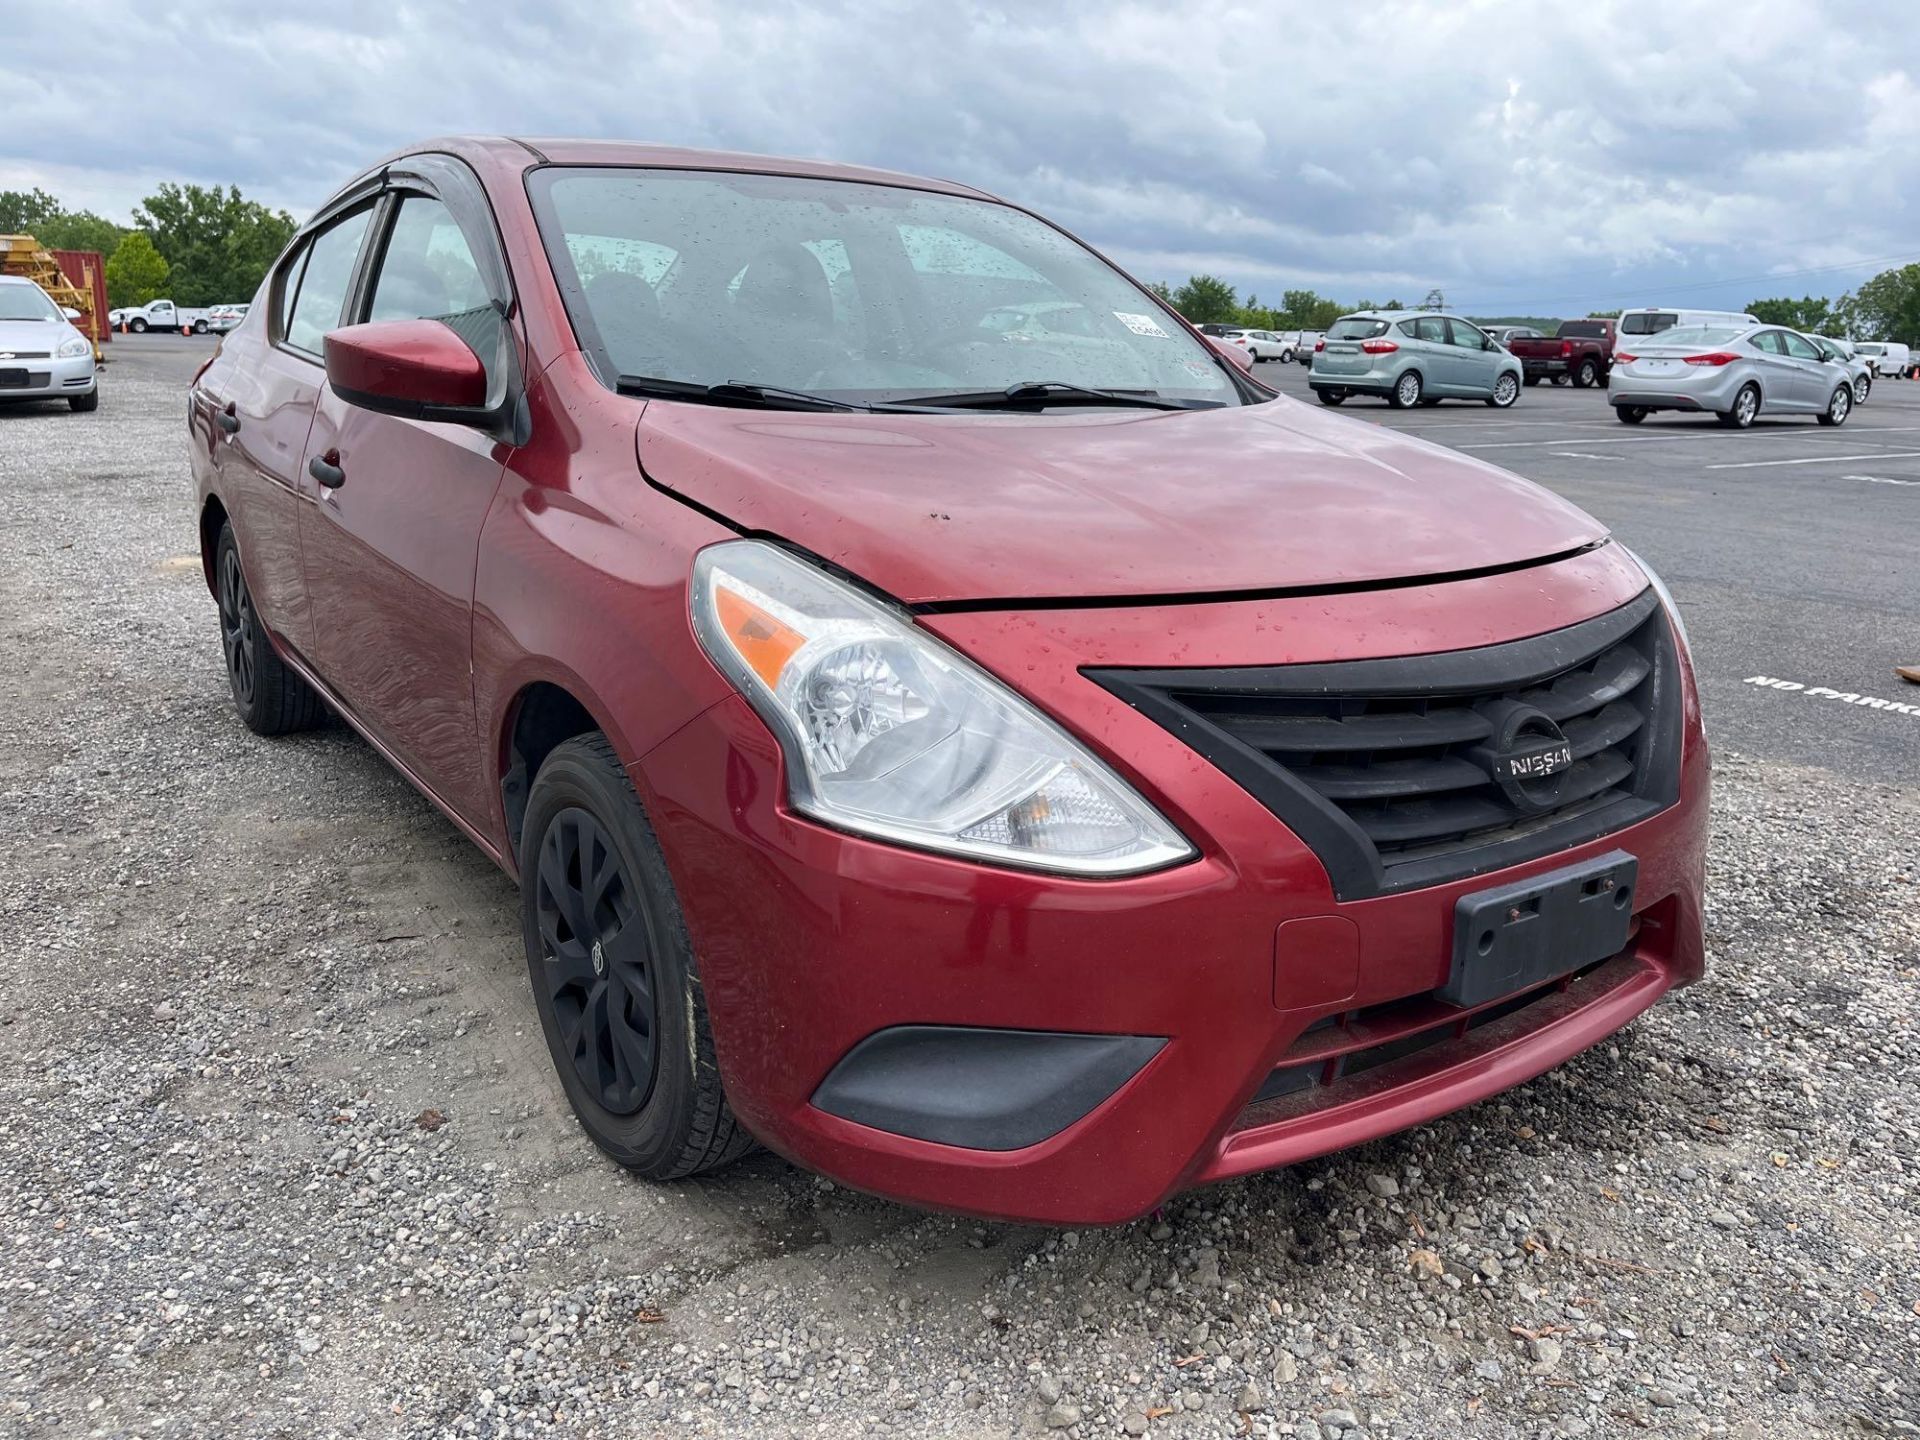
(1387, 768)
(24, 379)
(28, 355)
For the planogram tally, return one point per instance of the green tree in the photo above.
(218, 242)
(136, 272)
(23, 212)
(81, 230)
(1205, 299)
(1887, 307)
(1162, 289)
(1812, 313)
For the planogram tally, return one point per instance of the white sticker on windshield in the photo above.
(1141, 324)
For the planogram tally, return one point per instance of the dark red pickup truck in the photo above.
(1580, 351)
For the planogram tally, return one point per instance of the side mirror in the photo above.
(69, 312)
(418, 369)
(1233, 352)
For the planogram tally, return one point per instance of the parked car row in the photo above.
(1735, 372)
(166, 316)
(1286, 346)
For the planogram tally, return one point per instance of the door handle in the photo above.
(326, 469)
(227, 420)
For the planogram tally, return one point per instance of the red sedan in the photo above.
(1025, 771)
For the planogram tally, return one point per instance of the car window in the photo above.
(1356, 327)
(1769, 341)
(1585, 329)
(1648, 323)
(427, 270)
(1465, 335)
(1798, 347)
(1430, 328)
(324, 280)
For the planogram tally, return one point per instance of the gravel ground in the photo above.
(281, 1152)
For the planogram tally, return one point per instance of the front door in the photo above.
(1478, 359)
(391, 542)
(1815, 381)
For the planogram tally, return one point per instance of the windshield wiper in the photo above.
(772, 397)
(1025, 394)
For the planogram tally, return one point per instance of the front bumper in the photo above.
(813, 942)
(48, 379)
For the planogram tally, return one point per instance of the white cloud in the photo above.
(1519, 156)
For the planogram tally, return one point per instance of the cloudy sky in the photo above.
(1526, 158)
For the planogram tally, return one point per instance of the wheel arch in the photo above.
(544, 713)
(213, 519)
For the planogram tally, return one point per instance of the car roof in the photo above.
(516, 153)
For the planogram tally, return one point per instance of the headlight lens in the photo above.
(889, 733)
(73, 349)
(1666, 598)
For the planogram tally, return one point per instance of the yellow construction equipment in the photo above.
(24, 255)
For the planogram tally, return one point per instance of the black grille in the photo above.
(12, 379)
(1387, 768)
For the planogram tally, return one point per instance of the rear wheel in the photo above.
(1559, 379)
(271, 699)
(1406, 391)
(1630, 414)
(84, 403)
(1331, 397)
(1588, 374)
(1746, 405)
(199, 327)
(1839, 406)
(1506, 390)
(613, 973)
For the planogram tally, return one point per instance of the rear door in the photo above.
(1783, 387)
(391, 549)
(1426, 337)
(266, 383)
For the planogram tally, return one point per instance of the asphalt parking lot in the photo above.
(282, 1154)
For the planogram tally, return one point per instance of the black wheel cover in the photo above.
(597, 961)
(236, 626)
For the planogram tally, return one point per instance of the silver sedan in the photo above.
(1734, 372)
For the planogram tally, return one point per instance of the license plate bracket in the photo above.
(13, 379)
(1517, 936)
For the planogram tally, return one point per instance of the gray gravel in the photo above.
(281, 1153)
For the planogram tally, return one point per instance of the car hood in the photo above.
(1106, 504)
(34, 336)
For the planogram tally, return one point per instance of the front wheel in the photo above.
(137, 325)
(1406, 391)
(1506, 390)
(613, 973)
(1839, 406)
(85, 403)
(1862, 388)
(1630, 414)
(1746, 405)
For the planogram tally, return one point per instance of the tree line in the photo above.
(1887, 307)
(194, 244)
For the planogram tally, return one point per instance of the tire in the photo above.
(1331, 397)
(590, 862)
(1506, 390)
(1839, 406)
(85, 404)
(1629, 414)
(1286, 357)
(1559, 379)
(1406, 390)
(199, 327)
(1746, 405)
(270, 698)
(1862, 388)
(1587, 375)
(137, 325)
(1532, 380)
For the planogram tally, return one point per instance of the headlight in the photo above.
(73, 349)
(1666, 598)
(890, 733)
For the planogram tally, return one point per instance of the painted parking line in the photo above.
(1816, 460)
(1877, 704)
(1880, 480)
(1810, 432)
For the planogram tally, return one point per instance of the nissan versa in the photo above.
(1024, 771)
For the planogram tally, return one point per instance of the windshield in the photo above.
(1700, 336)
(1356, 328)
(1873, 349)
(27, 302)
(863, 293)
(1647, 323)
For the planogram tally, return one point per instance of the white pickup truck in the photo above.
(159, 315)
